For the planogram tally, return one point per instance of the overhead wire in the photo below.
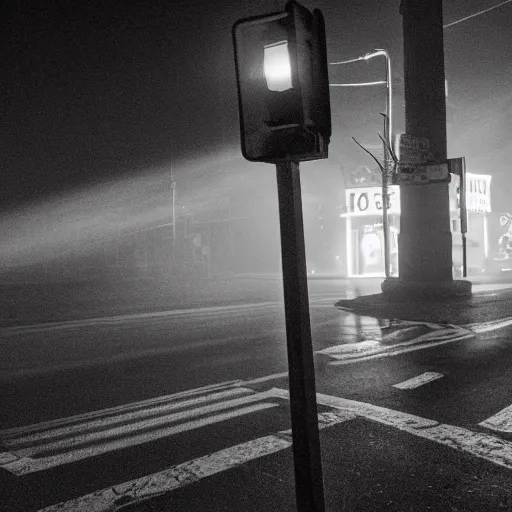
(476, 14)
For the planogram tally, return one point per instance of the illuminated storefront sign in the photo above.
(364, 236)
(478, 192)
(368, 201)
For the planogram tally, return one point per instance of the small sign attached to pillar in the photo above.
(421, 174)
(414, 150)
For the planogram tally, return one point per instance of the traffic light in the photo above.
(283, 86)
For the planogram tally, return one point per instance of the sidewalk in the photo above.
(490, 300)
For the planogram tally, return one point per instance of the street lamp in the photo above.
(389, 96)
(388, 130)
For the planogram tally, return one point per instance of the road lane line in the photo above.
(418, 381)
(102, 423)
(266, 378)
(501, 422)
(119, 319)
(188, 472)
(16, 431)
(27, 465)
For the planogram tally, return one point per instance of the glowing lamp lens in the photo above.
(276, 64)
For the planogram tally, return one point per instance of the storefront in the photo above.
(364, 232)
(479, 243)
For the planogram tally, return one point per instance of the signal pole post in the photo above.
(285, 118)
(425, 241)
(301, 370)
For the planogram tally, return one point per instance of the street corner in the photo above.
(392, 338)
(454, 311)
(371, 305)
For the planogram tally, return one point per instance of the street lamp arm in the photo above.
(346, 61)
(380, 82)
(375, 53)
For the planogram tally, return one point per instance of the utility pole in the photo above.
(425, 242)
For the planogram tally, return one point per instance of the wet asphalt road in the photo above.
(57, 371)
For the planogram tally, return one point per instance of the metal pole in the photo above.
(306, 442)
(463, 216)
(389, 98)
(173, 199)
(388, 139)
(464, 256)
(385, 220)
(173, 205)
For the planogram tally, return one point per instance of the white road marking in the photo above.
(136, 317)
(266, 378)
(69, 441)
(188, 472)
(492, 325)
(501, 422)
(371, 349)
(7, 433)
(121, 425)
(484, 446)
(27, 465)
(130, 420)
(418, 381)
(488, 447)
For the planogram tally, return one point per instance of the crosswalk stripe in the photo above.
(485, 446)
(189, 472)
(501, 422)
(77, 438)
(69, 420)
(103, 422)
(27, 465)
(39, 450)
(418, 381)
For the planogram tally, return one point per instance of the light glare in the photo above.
(276, 64)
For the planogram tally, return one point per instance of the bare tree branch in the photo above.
(364, 149)
(389, 148)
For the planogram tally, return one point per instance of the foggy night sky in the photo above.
(101, 91)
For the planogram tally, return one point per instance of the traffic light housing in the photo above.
(283, 86)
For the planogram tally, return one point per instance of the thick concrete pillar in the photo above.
(425, 241)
